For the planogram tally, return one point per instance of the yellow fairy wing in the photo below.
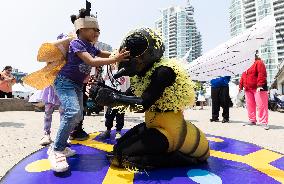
(44, 77)
(55, 51)
(48, 52)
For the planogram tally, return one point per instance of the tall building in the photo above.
(179, 32)
(279, 16)
(245, 13)
(278, 7)
(236, 17)
(104, 46)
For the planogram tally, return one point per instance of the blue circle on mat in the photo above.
(203, 176)
(90, 165)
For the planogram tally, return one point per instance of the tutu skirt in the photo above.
(48, 95)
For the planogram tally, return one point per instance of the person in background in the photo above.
(121, 84)
(254, 82)
(7, 80)
(201, 97)
(273, 92)
(195, 95)
(220, 98)
(51, 101)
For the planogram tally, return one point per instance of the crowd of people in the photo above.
(68, 91)
(69, 86)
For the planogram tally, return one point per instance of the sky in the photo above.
(25, 25)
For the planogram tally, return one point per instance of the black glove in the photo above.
(105, 97)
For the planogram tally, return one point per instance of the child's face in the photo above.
(90, 34)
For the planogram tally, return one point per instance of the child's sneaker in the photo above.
(69, 143)
(58, 161)
(105, 135)
(118, 135)
(45, 140)
(67, 152)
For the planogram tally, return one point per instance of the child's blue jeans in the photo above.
(71, 97)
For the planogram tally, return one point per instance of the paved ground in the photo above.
(21, 131)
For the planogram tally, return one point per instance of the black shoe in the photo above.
(105, 135)
(225, 121)
(79, 135)
(214, 120)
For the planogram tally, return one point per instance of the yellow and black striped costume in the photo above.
(181, 135)
(164, 90)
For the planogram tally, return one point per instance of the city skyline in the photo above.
(37, 21)
(179, 32)
(245, 13)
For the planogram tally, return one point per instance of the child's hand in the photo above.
(122, 55)
(259, 89)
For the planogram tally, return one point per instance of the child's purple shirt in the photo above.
(75, 68)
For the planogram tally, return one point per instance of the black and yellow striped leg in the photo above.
(149, 141)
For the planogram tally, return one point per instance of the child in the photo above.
(69, 83)
(122, 85)
(201, 98)
(50, 100)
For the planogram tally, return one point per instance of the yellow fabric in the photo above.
(171, 124)
(44, 77)
(189, 143)
(54, 54)
(176, 97)
(202, 146)
(168, 123)
(48, 52)
(171, 140)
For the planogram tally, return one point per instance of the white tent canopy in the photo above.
(22, 90)
(234, 56)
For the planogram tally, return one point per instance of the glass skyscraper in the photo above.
(245, 13)
(278, 7)
(179, 32)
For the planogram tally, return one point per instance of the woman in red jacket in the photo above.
(255, 84)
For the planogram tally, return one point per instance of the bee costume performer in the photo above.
(164, 90)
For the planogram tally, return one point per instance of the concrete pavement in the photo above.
(21, 131)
